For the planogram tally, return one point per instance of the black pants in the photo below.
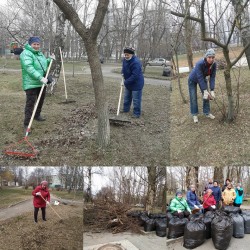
(31, 97)
(182, 214)
(36, 209)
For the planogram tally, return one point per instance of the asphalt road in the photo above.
(107, 72)
(143, 242)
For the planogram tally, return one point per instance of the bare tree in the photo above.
(89, 36)
(230, 115)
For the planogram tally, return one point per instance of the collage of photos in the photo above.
(124, 125)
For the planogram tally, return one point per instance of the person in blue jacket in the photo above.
(204, 71)
(133, 81)
(239, 195)
(216, 193)
(192, 199)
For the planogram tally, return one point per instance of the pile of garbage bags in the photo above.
(151, 222)
(219, 225)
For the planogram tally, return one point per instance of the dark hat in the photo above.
(178, 192)
(129, 50)
(34, 39)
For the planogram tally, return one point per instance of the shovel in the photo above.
(116, 120)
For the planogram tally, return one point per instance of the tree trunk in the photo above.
(227, 76)
(89, 36)
(151, 189)
(188, 37)
(218, 175)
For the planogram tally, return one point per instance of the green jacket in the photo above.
(32, 71)
(176, 204)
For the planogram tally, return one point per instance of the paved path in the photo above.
(107, 72)
(16, 210)
(27, 206)
(144, 242)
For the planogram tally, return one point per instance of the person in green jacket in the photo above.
(34, 67)
(179, 207)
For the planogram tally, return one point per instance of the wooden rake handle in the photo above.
(52, 208)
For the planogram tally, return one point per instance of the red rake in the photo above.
(12, 149)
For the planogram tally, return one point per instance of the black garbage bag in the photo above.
(195, 216)
(246, 217)
(194, 233)
(232, 209)
(222, 230)
(208, 217)
(238, 225)
(176, 227)
(149, 225)
(169, 217)
(143, 218)
(134, 214)
(161, 227)
(157, 216)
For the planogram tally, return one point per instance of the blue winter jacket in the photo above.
(239, 196)
(192, 199)
(216, 193)
(132, 72)
(199, 73)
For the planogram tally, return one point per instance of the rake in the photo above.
(53, 209)
(64, 81)
(12, 149)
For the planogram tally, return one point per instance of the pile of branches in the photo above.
(109, 215)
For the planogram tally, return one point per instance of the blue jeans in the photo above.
(192, 86)
(134, 96)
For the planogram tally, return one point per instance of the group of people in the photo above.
(213, 198)
(34, 67)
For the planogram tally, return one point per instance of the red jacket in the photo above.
(208, 201)
(38, 200)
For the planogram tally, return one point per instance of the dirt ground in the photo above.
(22, 233)
(68, 135)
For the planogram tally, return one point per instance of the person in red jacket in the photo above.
(41, 199)
(208, 201)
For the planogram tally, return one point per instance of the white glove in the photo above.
(38, 193)
(213, 94)
(47, 202)
(179, 211)
(201, 206)
(52, 56)
(213, 206)
(205, 95)
(195, 206)
(44, 80)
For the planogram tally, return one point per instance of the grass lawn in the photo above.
(211, 142)
(13, 195)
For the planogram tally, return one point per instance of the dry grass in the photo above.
(22, 233)
(68, 135)
(210, 142)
